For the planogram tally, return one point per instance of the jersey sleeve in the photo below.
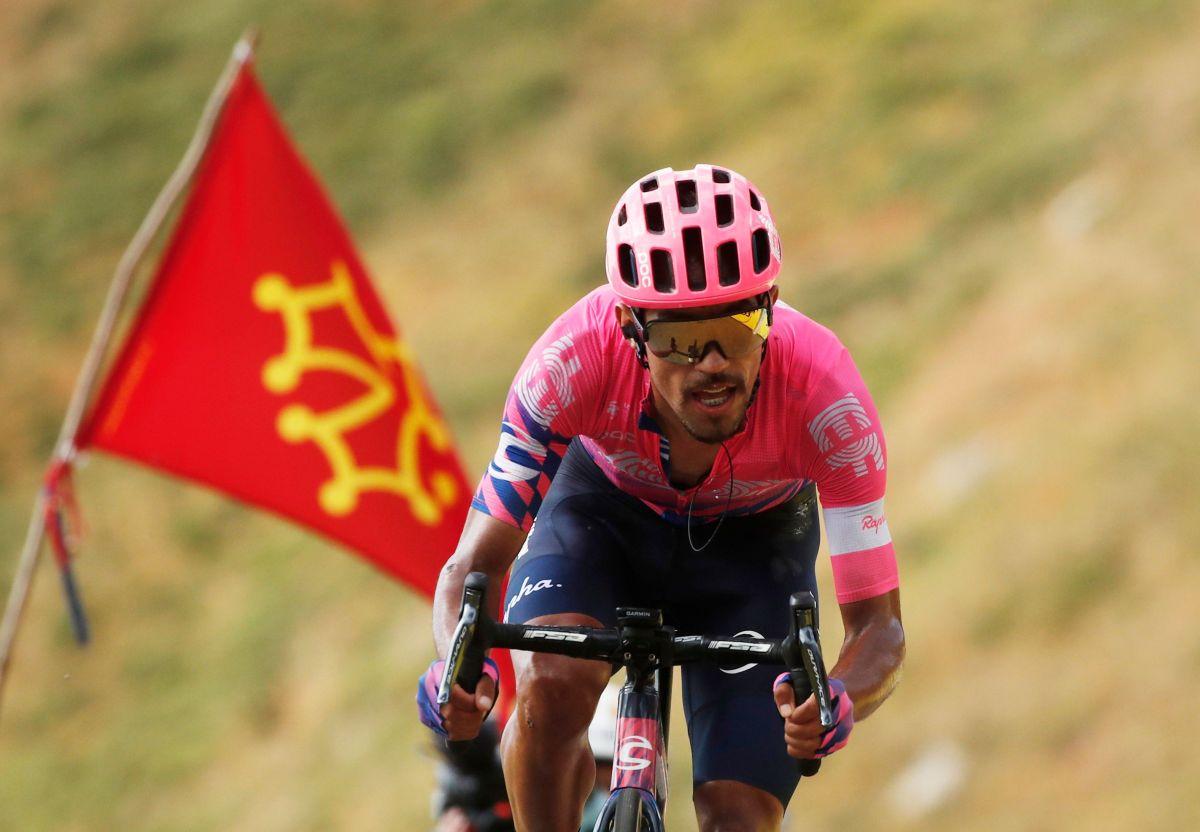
(844, 444)
(549, 402)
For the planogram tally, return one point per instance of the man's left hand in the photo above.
(802, 730)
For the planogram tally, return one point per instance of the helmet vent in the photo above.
(664, 275)
(762, 250)
(625, 263)
(728, 272)
(685, 189)
(724, 210)
(754, 201)
(649, 184)
(693, 255)
(720, 175)
(654, 217)
(622, 216)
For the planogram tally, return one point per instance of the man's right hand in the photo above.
(461, 717)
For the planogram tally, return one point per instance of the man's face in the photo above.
(709, 398)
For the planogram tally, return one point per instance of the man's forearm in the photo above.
(487, 545)
(447, 598)
(871, 655)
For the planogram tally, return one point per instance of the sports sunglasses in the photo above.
(686, 342)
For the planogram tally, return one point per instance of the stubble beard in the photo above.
(713, 435)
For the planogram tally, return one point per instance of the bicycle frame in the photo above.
(643, 717)
(640, 753)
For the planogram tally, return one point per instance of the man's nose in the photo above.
(712, 360)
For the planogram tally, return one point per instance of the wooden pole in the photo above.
(118, 292)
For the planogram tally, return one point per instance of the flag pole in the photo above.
(65, 449)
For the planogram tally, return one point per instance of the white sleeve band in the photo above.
(856, 528)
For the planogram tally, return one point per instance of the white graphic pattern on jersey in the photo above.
(505, 468)
(559, 369)
(838, 424)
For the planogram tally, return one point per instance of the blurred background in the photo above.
(995, 205)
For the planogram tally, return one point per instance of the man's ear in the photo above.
(629, 331)
(625, 322)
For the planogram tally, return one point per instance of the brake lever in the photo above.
(806, 666)
(464, 634)
(814, 669)
(468, 648)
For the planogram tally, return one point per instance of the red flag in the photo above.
(263, 364)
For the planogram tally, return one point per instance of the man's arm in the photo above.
(551, 400)
(872, 652)
(487, 545)
(843, 447)
(868, 667)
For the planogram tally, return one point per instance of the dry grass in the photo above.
(995, 208)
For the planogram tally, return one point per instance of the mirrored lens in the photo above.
(686, 342)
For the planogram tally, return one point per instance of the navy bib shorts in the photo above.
(594, 548)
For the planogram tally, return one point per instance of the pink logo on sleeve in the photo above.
(874, 524)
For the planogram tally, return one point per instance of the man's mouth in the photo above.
(714, 397)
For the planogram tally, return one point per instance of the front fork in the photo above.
(629, 810)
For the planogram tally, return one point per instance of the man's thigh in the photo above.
(591, 549)
(743, 588)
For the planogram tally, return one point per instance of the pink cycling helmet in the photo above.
(698, 237)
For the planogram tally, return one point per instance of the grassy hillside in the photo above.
(994, 205)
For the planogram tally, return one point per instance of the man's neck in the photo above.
(691, 459)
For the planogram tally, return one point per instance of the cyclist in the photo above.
(470, 794)
(670, 433)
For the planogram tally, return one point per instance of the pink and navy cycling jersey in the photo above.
(811, 420)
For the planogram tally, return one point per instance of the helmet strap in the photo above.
(765, 299)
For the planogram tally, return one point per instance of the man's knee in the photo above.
(729, 806)
(558, 694)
